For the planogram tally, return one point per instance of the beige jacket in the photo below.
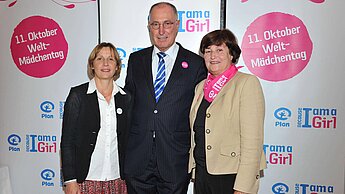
(234, 131)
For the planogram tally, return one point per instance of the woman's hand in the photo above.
(72, 188)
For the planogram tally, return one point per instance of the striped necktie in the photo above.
(160, 78)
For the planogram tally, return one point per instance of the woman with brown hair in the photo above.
(227, 122)
(94, 128)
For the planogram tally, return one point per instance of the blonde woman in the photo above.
(94, 128)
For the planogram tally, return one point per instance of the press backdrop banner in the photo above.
(43, 52)
(296, 48)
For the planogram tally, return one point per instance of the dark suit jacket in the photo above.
(168, 118)
(80, 127)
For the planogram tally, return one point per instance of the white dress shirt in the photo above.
(104, 163)
(169, 61)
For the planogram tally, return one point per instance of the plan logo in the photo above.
(47, 107)
(280, 188)
(282, 115)
(324, 118)
(279, 154)
(47, 175)
(14, 141)
(123, 54)
(194, 21)
(41, 143)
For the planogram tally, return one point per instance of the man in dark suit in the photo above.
(159, 138)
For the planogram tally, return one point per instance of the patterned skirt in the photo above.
(116, 186)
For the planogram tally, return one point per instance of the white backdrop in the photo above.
(45, 45)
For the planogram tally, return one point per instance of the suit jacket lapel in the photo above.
(177, 68)
(199, 95)
(120, 106)
(147, 69)
(92, 100)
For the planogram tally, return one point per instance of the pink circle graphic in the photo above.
(276, 46)
(185, 64)
(38, 47)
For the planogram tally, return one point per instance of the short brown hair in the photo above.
(93, 55)
(218, 37)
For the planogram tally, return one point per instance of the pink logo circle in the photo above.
(184, 64)
(38, 46)
(276, 46)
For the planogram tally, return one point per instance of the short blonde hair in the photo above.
(93, 55)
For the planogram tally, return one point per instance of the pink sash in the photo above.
(213, 84)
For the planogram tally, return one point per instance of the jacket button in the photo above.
(209, 147)
(233, 154)
(208, 131)
(155, 111)
(208, 115)
(91, 144)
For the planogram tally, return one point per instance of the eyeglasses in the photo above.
(166, 25)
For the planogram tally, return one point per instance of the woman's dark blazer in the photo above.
(80, 127)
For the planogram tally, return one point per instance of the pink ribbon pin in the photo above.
(184, 64)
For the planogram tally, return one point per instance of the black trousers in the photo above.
(206, 183)
(150, 182)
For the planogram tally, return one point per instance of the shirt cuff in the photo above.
(69, 181)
